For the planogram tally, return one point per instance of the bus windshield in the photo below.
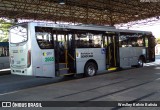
(18, 34)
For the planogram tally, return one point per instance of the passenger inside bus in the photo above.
(61, 51)
(140, 42)
(134, 44)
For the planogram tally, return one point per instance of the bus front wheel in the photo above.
(90, 69)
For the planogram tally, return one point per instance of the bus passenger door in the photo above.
(60, 47)
(71, 53)
(64, 53)
(112, 50)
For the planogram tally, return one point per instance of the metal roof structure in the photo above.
(100, 12)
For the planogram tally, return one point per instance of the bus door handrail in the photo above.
(71, 56)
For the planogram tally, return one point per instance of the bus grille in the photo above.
(18, 71)
(18, 66)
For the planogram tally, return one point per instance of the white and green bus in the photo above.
(50, 50)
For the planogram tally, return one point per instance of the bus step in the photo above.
(69, 74)
(63, 71)
(112, 68)
(62, 65)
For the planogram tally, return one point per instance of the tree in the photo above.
(5, 24)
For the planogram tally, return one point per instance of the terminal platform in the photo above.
(136, 84)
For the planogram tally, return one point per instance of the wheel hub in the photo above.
(91, 70)
(140, 62)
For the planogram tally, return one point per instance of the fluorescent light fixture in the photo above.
(136, 15)
(61, 2)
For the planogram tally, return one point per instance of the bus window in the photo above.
(97, 41)
(82, 40)
(131, 41)
(44, 40)
(88, 40)
(44, 37)
(140, 42)
(123, 41)
(18, 34)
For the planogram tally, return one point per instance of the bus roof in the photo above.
(88, 27)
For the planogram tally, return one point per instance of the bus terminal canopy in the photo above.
(101, 12)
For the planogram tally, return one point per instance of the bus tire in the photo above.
(90, 69)
(140, 62)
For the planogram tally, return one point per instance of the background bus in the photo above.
(49, 50)
(4, 55)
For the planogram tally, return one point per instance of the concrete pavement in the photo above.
(138, 84)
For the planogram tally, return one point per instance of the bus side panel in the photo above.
(35, 53)
(43, 62)
(85, 54)
(129, 55)
(48, 62)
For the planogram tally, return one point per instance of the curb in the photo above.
(5, 72)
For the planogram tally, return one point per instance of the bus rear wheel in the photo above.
(140, 62)
(90, 69)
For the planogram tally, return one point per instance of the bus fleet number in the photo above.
(49, 59)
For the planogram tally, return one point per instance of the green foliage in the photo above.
(158, 40)
(4, 29)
